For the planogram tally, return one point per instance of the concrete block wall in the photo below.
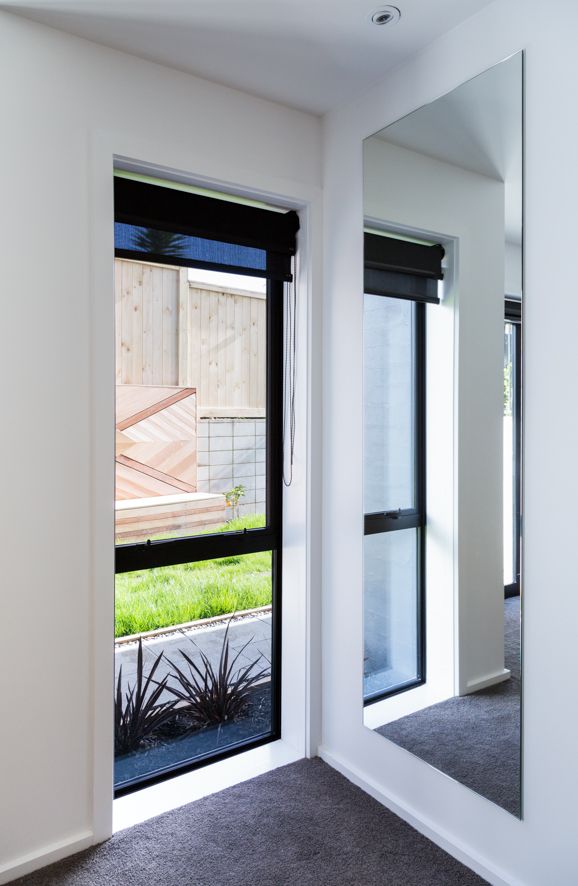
(231, 452)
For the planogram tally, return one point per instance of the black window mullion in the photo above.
(172, 551)
(421, 488)
(392, 521)
(518, 452)
(274, 499)
(420, 411)
(274, 415)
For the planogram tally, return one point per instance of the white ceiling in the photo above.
(309, 54)
(477, 126)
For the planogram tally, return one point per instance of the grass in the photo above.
(170, 595)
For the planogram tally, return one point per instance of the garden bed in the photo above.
(175, 743)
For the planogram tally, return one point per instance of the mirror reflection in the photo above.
(443, 433)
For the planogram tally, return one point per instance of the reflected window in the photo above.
(391, 602)
(401, 278)
(512, 445)
(388, 404)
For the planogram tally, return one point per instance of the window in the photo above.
(512, 445)
(400, 279)
(199, 371)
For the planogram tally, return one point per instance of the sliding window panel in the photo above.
(394, 483)
(204, 689)
(389, 404)
(191, 401)
(391, 612)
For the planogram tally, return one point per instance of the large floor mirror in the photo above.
(442, 429)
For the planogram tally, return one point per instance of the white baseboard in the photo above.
(485, 682)
(428, 828)
(33, 861)
(396, 706)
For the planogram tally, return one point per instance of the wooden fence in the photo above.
(172, 332)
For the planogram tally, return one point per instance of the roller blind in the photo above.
(191, 230)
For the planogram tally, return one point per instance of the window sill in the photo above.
(141, 805)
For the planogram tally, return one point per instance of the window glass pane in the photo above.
(510, 533)
(191, 352)
(188, 606)
(390, 610)
(389, 407)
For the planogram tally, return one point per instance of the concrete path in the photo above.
(254, 630)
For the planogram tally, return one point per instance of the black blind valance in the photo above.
(402, 269)
(175, 227)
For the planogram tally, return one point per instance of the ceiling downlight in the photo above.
(385, 15)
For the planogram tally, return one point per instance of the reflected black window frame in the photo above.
(166, 209)
(395, 268)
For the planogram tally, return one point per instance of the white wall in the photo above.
(67, 106)
(542, 847)
(465, 212)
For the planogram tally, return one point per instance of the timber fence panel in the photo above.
(170, 331)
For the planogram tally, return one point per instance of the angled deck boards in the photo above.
(156, 458)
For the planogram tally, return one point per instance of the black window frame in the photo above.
(263, 227)
(385, 259)
(513, 316)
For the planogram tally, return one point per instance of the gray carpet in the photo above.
(476, 738)
(301, 825)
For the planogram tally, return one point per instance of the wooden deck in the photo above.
(156, 463)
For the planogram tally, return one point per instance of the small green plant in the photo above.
(138, 714)
(233, 497)
(212, 697)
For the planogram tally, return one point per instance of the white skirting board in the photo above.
(33, 861)
(170, 794)
(486, 682)
(425, 827)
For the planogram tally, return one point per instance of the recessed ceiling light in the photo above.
(386, 15)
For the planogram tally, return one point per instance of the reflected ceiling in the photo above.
(477, 127)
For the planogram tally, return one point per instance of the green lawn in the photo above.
(171, 595)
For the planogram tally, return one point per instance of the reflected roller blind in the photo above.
(402, 269)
